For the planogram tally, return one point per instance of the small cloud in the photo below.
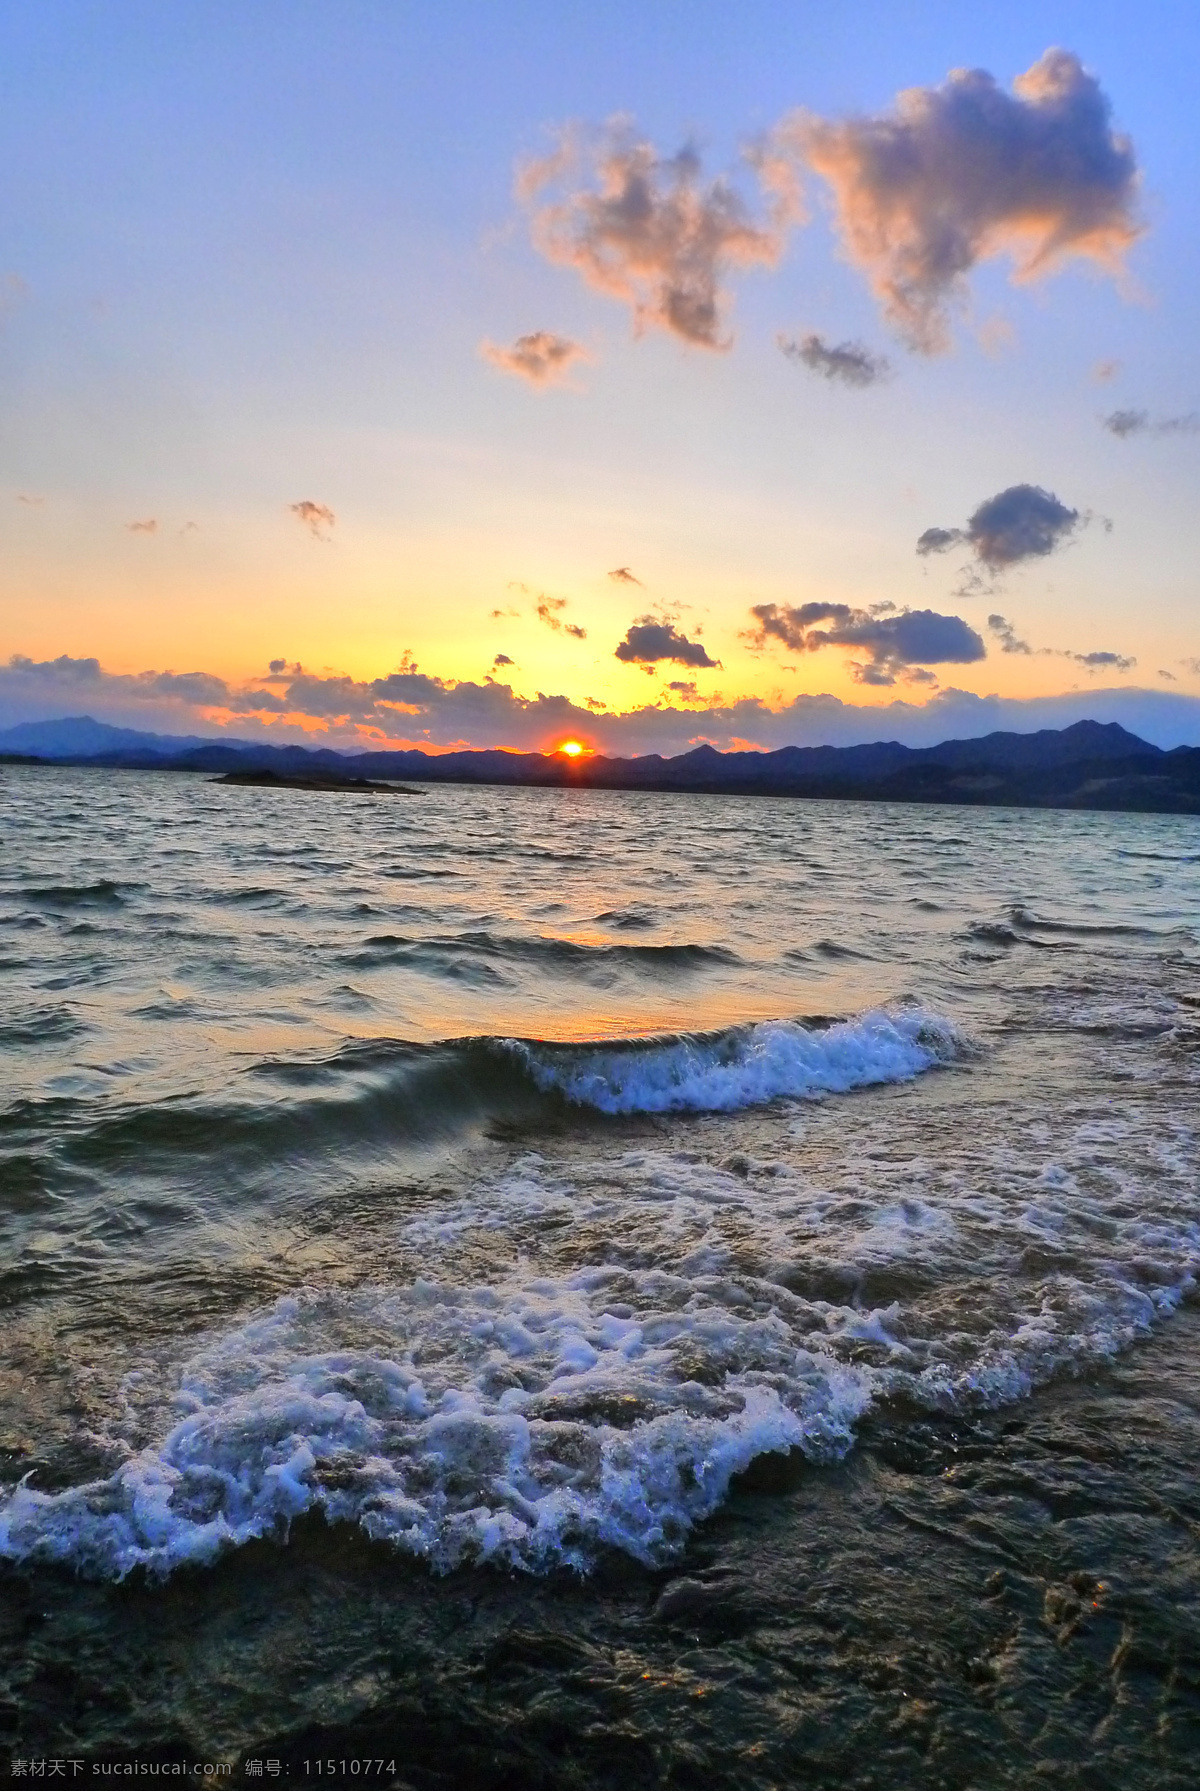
(1103, 371)
(190, 528)
(648, 230)
(1095, 662)
(1191, 665)
(1023, 522)
(649, 640)
(956, 175)
(690, 690)
(1169, 676)
(845, 363)
(501, 615)
(25, 497)
(1124, 423)
(280, 668)
(1006, 635)
(541, 357)
(316, 518)
(621, 575)
(548, 611)
(502, 659)
(149, 527)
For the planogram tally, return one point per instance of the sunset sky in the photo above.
(485, 373)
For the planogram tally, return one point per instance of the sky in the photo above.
(491, 374)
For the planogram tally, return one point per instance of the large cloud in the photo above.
(955, 174)
(410, 707)
(1023, 522)
(891, 645)
(649, 230)
(541, 357)
(648, 641)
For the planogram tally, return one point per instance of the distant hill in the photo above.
(1092, 765)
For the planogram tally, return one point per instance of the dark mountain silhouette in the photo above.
(1092, 765)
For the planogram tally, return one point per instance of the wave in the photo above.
(746, 1065)
(104, 894)
(459, 954)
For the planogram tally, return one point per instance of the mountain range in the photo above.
(1092, 765)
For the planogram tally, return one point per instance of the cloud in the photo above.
(649, 641)
(541, 358)
(1169, 676)
(547, 611)
(650, 231)
(317, 518)
(1006, 635)
(892, 644)
(961, 173)
(1124, 423)
(621, 575)
(1103, 371)
(410, 707)
(847, 363)
(686, 688)
(149, 527)
(25, 497)
(502, 659)
(1092, 662)
(1023, 522)
(1095, 662)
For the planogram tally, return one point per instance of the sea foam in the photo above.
(747, 1065)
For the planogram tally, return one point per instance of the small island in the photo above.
(313, 780)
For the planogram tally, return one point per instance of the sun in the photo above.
(572, 748)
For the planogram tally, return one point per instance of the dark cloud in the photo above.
(685, 687)
(957, 174)
(1102, 661)
(541, 358)
(547, 610)
(149, 527)
(649, 641)
(621, 575)
(1169, 676)
(649, 230)
(1023, 522)
(410, 707)
(317, 518)
(501, 659)
(1006, 635)
(1124, 423)
(846, 363)
(891, 645)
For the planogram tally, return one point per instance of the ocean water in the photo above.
(505, 1184)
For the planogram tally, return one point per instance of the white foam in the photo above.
(749, 1065)
(545, 1427)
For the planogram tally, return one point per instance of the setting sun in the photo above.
(572, 748)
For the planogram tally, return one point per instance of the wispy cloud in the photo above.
(649, 230)
(621, 575)
(892, 646)
(1124, 423)
(548, 610)
(540, 358)
(318, 519)
(845, 363)
(149, 527)
(961, 173)
(1006, 634)
(1103, 660)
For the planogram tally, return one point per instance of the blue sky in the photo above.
(251, 254)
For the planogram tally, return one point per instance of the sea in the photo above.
(577, 1288)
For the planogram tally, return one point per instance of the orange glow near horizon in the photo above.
(573, 749)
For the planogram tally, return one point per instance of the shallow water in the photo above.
(513, 1180)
